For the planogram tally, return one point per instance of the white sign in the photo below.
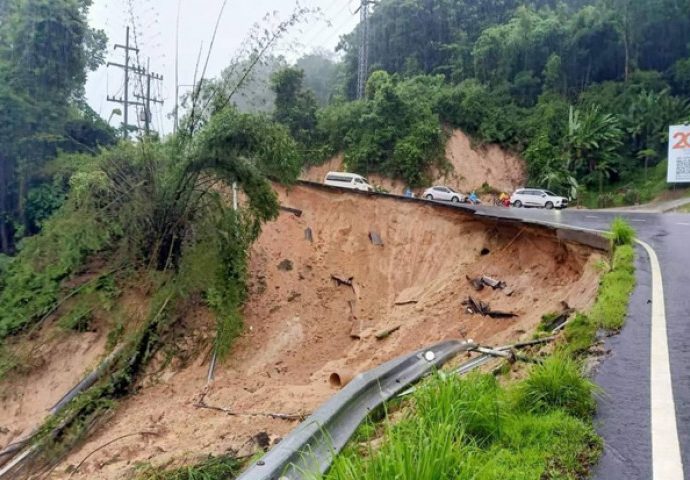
(679, 154)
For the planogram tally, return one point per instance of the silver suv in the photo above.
(533, 197)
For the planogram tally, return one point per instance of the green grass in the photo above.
(615, 287)
(629, 191)
(472, 428)
(213, 468)
(621, 233)
(557, 384)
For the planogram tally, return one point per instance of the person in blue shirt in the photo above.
(474, 200)
(408, 193)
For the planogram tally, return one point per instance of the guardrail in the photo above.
(310, 449)
(484, 213)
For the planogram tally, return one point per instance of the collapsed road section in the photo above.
(326, 297)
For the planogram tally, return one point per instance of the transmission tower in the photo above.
(363, 68)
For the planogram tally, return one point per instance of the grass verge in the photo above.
(469, 428)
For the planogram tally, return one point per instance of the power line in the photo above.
(363, 67)
(127, 68)
(146, 97)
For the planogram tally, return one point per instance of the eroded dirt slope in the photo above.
(471, 167)
(299, 322)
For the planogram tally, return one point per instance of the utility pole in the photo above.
(147, 98)
(127, 68)
(363, 67)
(125, 101)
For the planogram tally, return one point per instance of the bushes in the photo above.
(393, 131)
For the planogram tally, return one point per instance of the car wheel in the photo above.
(455, 200)
(549, 205)
(517, 204)
(429, 197)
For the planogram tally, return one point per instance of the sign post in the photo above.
(679, 154)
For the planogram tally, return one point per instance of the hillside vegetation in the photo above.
(585, 90)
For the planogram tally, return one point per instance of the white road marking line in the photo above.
(682, 223)
(666, 459)
(591, 216)
(638, 220)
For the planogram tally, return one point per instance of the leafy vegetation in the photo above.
(580, 88)
(46, 50)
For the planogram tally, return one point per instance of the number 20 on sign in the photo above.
(681, 140)
(679, 154)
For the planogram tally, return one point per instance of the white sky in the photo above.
(155, 32)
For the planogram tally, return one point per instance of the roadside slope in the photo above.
(299, 322)
(470, 168)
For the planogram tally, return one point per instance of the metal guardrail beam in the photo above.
(310, 449)
(571, 234)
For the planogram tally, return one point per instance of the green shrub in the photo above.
(624, 259)
(557, 384)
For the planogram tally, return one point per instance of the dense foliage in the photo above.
(584, 89)
(46, 49)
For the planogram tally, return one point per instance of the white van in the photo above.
(347, 180)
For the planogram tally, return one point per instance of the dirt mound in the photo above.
(471, 168)
(300, 323)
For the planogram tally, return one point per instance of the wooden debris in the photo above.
(295, 211)
(342, 280)
(387, 332)
(232, 413)
(483, 308)
(356, 329)
(493, 283)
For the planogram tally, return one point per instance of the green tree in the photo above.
(593, 143)
(294, 107)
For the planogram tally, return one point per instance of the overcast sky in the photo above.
(154, 23)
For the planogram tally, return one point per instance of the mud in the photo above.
(300, 324)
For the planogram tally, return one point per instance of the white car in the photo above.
(444, 193)
(535, 197)
(347, 180)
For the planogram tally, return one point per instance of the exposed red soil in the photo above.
(470, 168)
(299, 322)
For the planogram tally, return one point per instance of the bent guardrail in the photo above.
(310, 449)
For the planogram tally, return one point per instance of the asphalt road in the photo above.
(625, 416)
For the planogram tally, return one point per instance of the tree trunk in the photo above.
(6, 241)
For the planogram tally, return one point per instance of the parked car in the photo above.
(445, 194)
(535, 197)
(348, 180)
